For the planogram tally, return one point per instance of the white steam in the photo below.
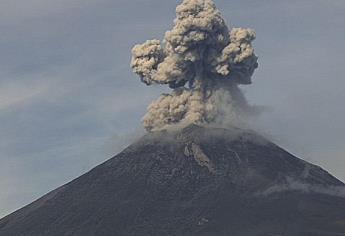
(296, 185)
(203, 62)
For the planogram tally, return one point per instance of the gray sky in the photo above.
(68, 99)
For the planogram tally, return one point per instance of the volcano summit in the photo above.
(195, 181)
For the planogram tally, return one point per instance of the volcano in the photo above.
(194, 181)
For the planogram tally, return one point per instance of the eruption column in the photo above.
(203, 62)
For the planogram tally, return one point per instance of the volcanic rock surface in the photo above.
(195, 181)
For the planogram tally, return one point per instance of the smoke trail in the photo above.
(203, 62)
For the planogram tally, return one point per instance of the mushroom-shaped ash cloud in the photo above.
(203, 62)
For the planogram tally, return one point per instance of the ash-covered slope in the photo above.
(197, 181)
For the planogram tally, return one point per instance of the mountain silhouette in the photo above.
(195, 181)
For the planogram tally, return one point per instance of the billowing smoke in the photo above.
(203, 62)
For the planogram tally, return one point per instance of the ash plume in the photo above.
(203, 61)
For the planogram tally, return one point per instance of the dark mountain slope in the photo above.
(197, 181)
